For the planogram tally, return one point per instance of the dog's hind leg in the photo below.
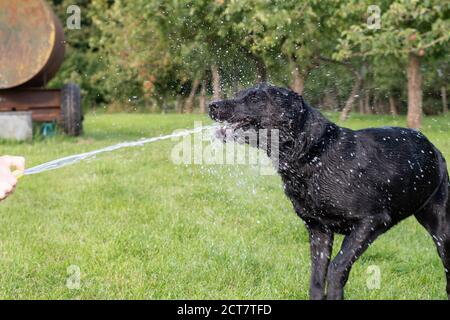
(435, 217)
(352, 248)
(321, 244)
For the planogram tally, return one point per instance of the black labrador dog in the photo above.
(357, 183)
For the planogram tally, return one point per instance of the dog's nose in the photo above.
(213, 106)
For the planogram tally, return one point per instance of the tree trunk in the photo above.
(363, 89)
(414, 117)
(382, 107)
(298, 79)
(329, 100)
(216, 82)
(235, 81)
(202, 100)
(178, 104)
(261, 70)
(189, 106)
(335, 89)
(355, 89)
(444, 100)
(392, 106)
(361, 109)
(367, 108)
(260, 66)
(351, 99)
(375, 105)
(154, 107)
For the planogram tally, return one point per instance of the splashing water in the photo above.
(66, 161)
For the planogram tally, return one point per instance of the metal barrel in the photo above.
(32, 43)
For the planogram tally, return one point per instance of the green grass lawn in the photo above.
(139, 227)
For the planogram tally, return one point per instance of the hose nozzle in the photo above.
(18, 174)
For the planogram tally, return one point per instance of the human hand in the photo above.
(8, 180)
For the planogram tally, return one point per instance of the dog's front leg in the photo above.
(321, 244)
(352, 248)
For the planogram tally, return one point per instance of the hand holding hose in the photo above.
(11, 168)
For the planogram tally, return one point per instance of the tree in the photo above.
(438, 68)
(277, 32)
(410, 30)
(161, 54)
(82, 60)
(132, 49)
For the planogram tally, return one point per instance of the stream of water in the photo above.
(66, 161)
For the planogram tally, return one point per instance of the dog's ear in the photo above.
(290, 102)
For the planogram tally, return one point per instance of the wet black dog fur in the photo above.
(357, 183)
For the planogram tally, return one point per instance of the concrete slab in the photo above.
(16, 126)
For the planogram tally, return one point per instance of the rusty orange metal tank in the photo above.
(31, 52)
(31, 43)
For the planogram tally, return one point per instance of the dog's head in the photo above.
(261, 107)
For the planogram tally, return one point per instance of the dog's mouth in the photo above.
(231, 131)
